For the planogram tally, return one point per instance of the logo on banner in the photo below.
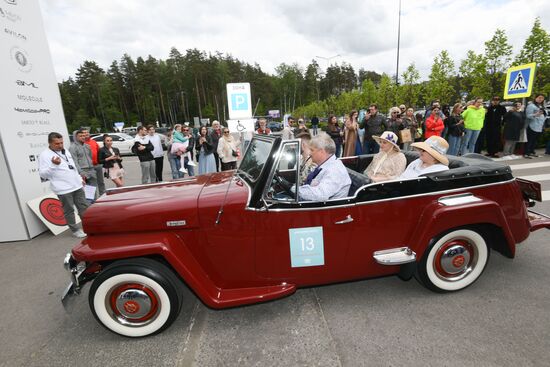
(20, 56)
(23, 83)
(15, 34)
(52, 211)
(12, 17)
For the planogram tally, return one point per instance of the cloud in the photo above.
(364, 32)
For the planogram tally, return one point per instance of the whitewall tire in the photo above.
(135, 299)
(454, 261)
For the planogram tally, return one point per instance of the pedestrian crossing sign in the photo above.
(519, 81)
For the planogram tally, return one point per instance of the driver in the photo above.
(330, 180)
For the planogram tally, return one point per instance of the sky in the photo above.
(362, 32)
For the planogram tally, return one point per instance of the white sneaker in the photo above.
(183, 170)
(79, 234)
(191, 163)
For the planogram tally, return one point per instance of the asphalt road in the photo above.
(501, 320)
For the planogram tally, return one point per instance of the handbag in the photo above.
(405, 136)
(234, 153)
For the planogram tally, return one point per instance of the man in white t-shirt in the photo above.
(56, 165)
(158, 152)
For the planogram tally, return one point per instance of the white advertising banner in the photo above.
(31, 109)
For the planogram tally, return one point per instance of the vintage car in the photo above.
(237, 237)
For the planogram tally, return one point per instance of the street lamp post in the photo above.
(327, 59)
(398, 41)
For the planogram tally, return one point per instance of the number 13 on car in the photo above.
(306, 247)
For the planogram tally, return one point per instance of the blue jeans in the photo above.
(371, 147)
(532, 139)
(190, 169)
(469, 142)
(547, 148)
(454, 144)
(338, 150)
(175, 165)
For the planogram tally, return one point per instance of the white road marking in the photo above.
(546, 195)
(517, 167)
(536, 178)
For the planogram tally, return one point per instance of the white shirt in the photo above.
(332, 182)
(157, 146)
(63, 180)
(415, 169)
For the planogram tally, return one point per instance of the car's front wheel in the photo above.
(136, 297)
(453, 261)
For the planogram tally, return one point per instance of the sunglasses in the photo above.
(226, 132)
(185, 130)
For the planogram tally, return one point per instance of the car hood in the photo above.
(154, 207)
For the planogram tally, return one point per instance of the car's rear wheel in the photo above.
(136, 297)
(454, 261)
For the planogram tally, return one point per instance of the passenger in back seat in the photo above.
(432, 157)
(389, 162)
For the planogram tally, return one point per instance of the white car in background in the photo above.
(122, 141)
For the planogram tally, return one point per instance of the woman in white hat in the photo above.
(432, 157)
(389, 162)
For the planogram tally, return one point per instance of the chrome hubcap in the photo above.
(455, 259)
(133, 304)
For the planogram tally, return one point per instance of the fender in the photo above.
(437, 218)
(172, 248)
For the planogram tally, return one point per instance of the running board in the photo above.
(395, 256)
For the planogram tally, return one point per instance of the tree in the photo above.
(537, 49)
(474, 77)
(409, 91)
(498, 54)
(439, 86)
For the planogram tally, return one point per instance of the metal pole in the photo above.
(398, 41)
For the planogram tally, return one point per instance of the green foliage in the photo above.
(474, 76)
(439, 84)
(498, 54)
(408, 93)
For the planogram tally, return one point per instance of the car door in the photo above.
(303, 243)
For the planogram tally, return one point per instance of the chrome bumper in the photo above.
(75, 270)
(395, 256)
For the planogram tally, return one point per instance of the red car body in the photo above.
(227, 239)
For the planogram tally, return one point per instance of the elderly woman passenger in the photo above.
(432, 157)
(389, 162)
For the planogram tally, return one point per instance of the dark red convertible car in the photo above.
(237, 237)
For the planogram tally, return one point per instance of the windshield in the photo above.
(255, 157)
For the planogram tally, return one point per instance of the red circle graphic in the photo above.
(52, 211)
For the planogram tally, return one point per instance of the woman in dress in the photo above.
(205, 151)
(432, 157)
(389, 162)
(409, 121)
(336, 133)
(350, 136)
(109, 156)
(228, 150)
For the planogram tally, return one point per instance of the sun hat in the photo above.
(389, 137)
(435, 146)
